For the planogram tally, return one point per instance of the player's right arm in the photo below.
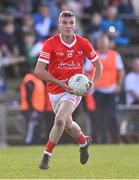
(41, 68)
(42, 73)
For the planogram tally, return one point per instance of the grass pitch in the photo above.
(106, 161)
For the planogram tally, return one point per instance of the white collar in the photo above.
(68, 45)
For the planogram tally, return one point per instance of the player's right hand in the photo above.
(63, 84)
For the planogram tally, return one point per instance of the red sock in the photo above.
(49, 146)
(81, 139)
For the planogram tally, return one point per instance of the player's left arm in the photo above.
(94, 59)
(96, 75)
(98, 70)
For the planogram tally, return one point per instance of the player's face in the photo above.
(67, 25)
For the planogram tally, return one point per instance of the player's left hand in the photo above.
(91, 89)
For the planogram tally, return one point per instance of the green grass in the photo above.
(106, 161)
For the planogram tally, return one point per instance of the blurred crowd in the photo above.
(25, 24)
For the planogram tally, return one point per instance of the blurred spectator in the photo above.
(115, 2)
(24, 6)
(76, 7)
(3, 86)
(10, 53)
(55, 11)
(10, 45)
(115, 27)
(63, 6)
(31, 48)
(87, 6)
(100, 5)
(132, 83)
(21, 7)
(42, 21)
(28, 24)
(136, 6)
(2, 18)
(126, 7)
(106, 90)
(33, 106)
(94, 28)
(9, 16)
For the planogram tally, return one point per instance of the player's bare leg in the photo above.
(65, 110)
(74, 130)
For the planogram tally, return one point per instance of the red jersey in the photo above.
(65, 60)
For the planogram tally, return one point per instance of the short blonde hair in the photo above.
(66, 14)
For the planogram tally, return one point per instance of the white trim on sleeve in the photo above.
(94, 59)
(43, 60)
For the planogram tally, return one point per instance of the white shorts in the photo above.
(56, 99)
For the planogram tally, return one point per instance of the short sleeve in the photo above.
(46, 52)
(89, 51)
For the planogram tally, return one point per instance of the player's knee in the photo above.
(59, 121)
